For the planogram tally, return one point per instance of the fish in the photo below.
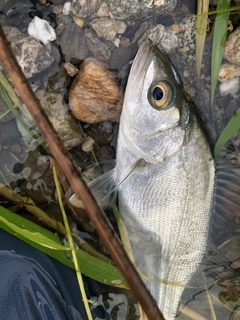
(165, 178)
(165, 175)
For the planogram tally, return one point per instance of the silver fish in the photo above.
(165, 176)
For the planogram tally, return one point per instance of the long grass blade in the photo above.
(201, 29)
(219, 40)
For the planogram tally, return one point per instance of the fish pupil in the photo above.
(158, 93)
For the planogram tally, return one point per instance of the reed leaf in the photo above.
(90, 266)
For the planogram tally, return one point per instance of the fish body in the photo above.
(165, 176)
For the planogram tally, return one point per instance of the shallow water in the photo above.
(221, 276)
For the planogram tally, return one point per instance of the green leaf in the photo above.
(49, 243)
(201, 29)
(32, 235)
(231, 128)
(219, 40)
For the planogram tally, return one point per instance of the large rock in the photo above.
(95, 94)
(32, 56)
(58, 113)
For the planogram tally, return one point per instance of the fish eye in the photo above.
(160, 94)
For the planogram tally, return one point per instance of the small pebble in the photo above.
(228, 71)
(185, 74)
(105, 153)
(16, 148)
(103, 10)
(175, 27)
(78, 21)
(66, 8)
(125, 43)
(57, 8)
(59, 29)
(117, 42)
(71, 69)
(87, 145)
(229, 87)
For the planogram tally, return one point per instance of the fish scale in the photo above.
(165, 172)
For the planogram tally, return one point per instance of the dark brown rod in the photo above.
(78, 185)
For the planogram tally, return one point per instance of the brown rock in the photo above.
(232, 47)
(95, 94)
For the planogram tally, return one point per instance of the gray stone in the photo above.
(121, 56)
(32, 56)
(162, 36)
(97, 47)
(85, 8)
(108, 28)
(73, 43)
(141, 30)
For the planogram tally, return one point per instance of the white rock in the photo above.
(231, 86)
(117, 42)
(87, 145)
(67, 8)
(41, 30)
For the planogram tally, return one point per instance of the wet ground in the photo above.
(25, 166)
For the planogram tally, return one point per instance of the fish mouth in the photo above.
(141, 61)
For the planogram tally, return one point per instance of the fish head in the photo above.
(155, 110)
